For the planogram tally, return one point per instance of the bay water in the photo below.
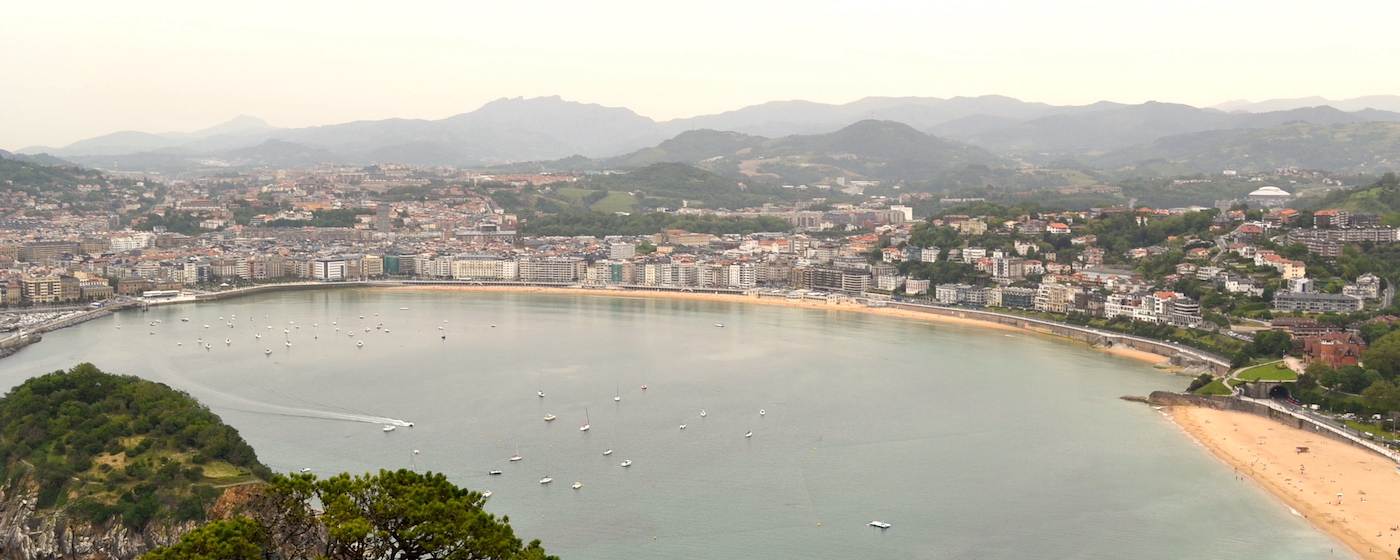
(972, 443)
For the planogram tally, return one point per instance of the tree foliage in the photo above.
(397, 515)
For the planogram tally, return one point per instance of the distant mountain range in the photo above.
(936, 133)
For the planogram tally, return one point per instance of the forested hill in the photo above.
(97, 447)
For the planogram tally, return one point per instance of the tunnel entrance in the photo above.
(1279, 392)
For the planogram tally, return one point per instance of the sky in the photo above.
(74, 70)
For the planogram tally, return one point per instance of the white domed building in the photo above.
(1269, 197)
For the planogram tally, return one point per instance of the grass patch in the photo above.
(1275, 371)
(1373, 428)
(1236, 382)
(616, 202)
(1214, 388)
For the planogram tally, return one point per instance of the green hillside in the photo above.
(690, 147)
(98, 445)
(1381, 197)
(1349, 148)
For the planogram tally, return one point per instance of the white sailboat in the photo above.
(618, 389)
(585, 426)
(516, 456)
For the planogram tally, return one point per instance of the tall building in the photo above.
(383, 217)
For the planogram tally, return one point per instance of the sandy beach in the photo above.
(809, 304)
(1367, 516)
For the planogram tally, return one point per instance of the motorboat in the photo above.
(268, 351)
(720, 325)
(208, 346)
(880, 524)
(702, 413)
(403, 309)
(306, 469)
(761, 412)
(682, 426)
(494, 473)
(289, 344)
(409, 424)
(608, 452)
(578, 485)
(644, 387)
(486, 494)
(257, 335)
(228, 341)
(540, 393)
(549, 417)
(748, 434)
(627, 463)
(388, 428)
(359, 343)
(184, 319)
(546, 480)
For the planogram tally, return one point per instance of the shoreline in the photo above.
(1140, 355)
(1265, 452)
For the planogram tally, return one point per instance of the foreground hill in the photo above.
(89, 456)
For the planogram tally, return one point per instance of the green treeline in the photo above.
(399, 514)
(103, 445)
(600, 224)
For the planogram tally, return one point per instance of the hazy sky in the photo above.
(72, 70)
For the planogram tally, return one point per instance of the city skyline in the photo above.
(92, 69)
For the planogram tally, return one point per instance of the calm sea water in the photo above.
(973, 443)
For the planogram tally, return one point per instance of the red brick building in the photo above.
(1336, 350)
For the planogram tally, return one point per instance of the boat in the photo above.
(516, 456)
(540, 393)
(388, 428)
(702, 413)
(720, 325)
(608, 452)
(486, 494)
(306, 469)
(184, 319)
(256, 335)
(409, 424)
(207, 346)
(578, 485)
(546, 480)
(880, 524)
(627, 463)
(268, 351)
(494, 473)
(761, 412)
(585, 426)
(228, 341)
(206, 326)
(682, 426)
(748, 434)
(289, 344)
(199, 340)
(644, 387)
(359, 343)
(617, 398)
(549, 417)
(179, 344)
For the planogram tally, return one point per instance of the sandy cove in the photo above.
(1368, 515)
(1148, 357)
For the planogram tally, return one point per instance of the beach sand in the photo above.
(1155, 359)
(1367, 516)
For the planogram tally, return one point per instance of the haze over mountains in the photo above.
(978, 128)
